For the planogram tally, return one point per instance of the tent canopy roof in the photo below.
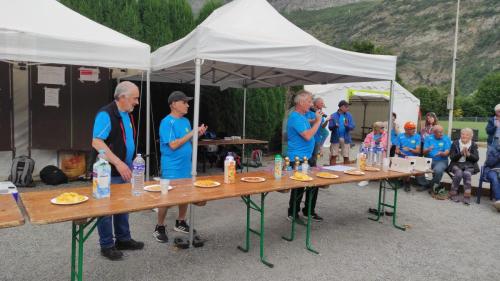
(247, 43)
(48, 32)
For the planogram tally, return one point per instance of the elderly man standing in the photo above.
(436, 146)
(493, 126)
(114, 132)
(301, 142)
(176, 151)
(341, 124)
(318, 104)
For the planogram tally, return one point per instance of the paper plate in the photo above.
(326, 175)
(253, 179)
(299, 179)
(202, 183)
(354, 173)
(155, 188)
(53, 201)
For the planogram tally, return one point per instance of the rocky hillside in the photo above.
(419, 32)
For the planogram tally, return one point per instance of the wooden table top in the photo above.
(230, 142)
(10, 215)
(41, 211)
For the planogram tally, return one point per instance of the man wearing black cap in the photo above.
(341, 124)
(176, 152)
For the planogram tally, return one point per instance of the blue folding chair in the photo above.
(482, 178)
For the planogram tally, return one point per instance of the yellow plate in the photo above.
(253, 179)
(372, 169)
(206, 183)
(300, 179)
(354, 172)
(56, 202)
(327, 175)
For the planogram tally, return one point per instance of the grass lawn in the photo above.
(480, 126)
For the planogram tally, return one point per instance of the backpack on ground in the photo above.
(256, 160)
(21, 172)
(52, 175)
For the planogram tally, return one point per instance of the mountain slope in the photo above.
(420, 33)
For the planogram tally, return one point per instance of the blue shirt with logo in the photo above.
(297, 145)
(318, 136)
(175, 164)
(102, 128)
(439, 145)
(409, 141)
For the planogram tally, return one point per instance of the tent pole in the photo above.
(195, 140)
(389, 123)
(148, 125)
(244, 125)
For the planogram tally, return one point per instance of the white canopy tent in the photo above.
(375, 94)
(45, 31)
(248, 44)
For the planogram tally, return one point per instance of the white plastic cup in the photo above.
(385, 164)
(164, 183)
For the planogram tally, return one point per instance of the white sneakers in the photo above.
(497, 205)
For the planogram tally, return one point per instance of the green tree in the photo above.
(488, 92)
(155, 18)
(207, 9)
(431, 100)
(181, 18)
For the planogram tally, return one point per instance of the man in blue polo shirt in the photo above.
(176, 152)
(436, 146)
(114, 132)
(408, 144)
(301, 142)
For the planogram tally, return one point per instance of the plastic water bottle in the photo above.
(101, 177)
(305, 166)
(278, 163)
(369, 160)
(138, 167)
(380, 155)
(229, 170)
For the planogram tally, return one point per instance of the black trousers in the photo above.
(299, 192)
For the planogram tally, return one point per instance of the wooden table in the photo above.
(10, 215)
(41, 211)
(207, 142)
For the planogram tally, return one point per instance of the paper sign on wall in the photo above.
(89, 74)
(51, 97)
(54, 75)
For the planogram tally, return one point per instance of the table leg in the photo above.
(308, 228)
(252, 205)
(394, 186)
(294, 210)
(78, 235)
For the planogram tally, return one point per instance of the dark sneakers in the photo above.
(111, 253)
(160, 234)
(298, 220)
(129, 245)
(314, 217)
(181, 226)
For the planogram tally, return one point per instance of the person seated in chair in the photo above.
(464, 156)
(377, 137)
(436, 146)
(408, 144)
(492, 171)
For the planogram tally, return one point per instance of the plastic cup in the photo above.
(164, 183)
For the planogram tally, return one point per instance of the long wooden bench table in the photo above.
(10, 215)
(41, 211)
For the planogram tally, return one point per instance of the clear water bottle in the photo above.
(138, 168)
(380, 155)
(369, 160)
(101, 177)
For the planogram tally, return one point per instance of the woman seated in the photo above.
(377, 137)
(492, 171)
(464, 156)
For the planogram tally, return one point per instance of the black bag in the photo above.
(21, 173)
(53, 176)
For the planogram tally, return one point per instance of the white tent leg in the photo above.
(195, 141)
(244, 125)
(148, 125)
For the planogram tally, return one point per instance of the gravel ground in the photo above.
(445, 241)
